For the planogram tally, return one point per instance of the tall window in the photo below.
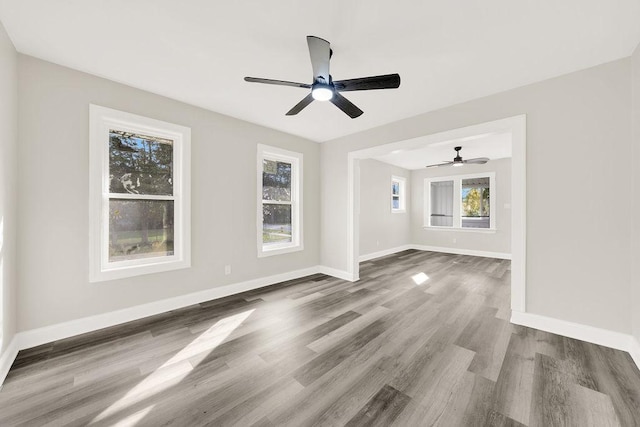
(398, 194)
(472, 208)
(441, 204)
(139, 195)
(279, 201)
(476, 206)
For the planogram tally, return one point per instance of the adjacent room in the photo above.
(279, 214)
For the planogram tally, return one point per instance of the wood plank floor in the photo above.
(422, 339)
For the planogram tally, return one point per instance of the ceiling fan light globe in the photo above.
(322, 92)
(456, 164)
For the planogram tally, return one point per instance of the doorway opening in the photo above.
(515, 129)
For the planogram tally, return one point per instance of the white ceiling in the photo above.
(446, 52)
(494, 146)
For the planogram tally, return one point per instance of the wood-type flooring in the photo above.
(422, 339)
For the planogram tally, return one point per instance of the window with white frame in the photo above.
(472, 208)
(476, 202)
(279, 201)
(398, 194)
(139, 191)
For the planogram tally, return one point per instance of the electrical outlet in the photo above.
(454, 240)
(377, 242)
(227, 269)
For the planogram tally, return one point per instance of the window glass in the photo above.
(398, 194)
(140, 229)
(140, 164)
(441, 204)
(395, 195)
(276, 180)
(279, 201)
(140, 195)
(276, 223)
(476, 203)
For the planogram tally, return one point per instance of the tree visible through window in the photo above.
(276, 201)
(279, 201)
(476, 211)
(140, 192)
(460, 201)
(140, 225)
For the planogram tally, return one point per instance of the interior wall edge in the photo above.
(634, 351)
(340, 274)
(7, 357)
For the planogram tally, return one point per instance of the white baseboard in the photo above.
(590, 334)
(340, 274)
(35, 337)
(634, 351)
(461, 251)
(384, 252)
(47, 334)
(6, 359)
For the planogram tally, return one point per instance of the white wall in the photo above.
(381, 229)
(578, 129)
(8, 188)
(635, 274)
(53, 197)
(499, 242)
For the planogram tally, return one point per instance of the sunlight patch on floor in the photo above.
(177, 367)
(419, 278)
(134, 419)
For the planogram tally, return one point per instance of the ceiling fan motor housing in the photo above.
(322, 91)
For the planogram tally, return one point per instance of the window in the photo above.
(279, 201)
(441, 204)
(476, 206)
(398, 202)
(139, 190)
(472, 209)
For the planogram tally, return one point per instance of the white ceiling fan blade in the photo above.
(477, 161)
(439, 165)
(320, 53)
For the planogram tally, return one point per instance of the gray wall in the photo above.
(8, 187)
(635, 274)
(500, 241)
(380, 229)
(53, 202)
(577, 245)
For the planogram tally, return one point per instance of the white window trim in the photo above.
(457, 203)
(402, 195)
(296, 160)
(101, 120)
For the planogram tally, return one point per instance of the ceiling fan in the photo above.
(324, 88)
(457, 160)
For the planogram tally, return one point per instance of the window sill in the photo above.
(124, 272)
(464, 230)
(398, 211)
(279, 251)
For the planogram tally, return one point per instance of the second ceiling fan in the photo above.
(458, 161)
(324, 88)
